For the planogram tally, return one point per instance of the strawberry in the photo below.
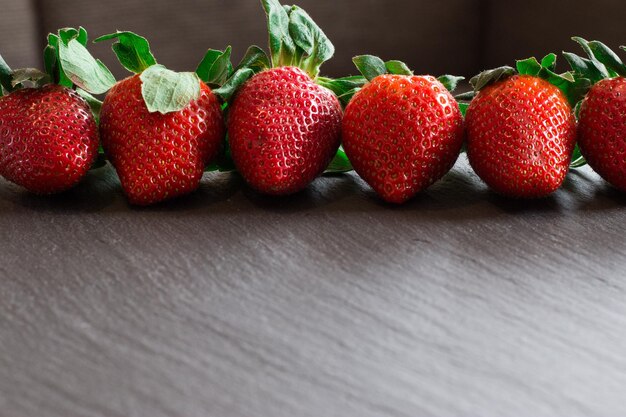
(284, 130)
(602, 116)
(284, 122)
(602, 130)
(159, 128)
(48, 134)
(401, 132)
(521, 129)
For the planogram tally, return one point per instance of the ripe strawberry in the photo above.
(159, 156)
(159, 129)
(602, 130)
(283, 129)
(283, 126)
(521, 133)
(602, 116)
(48, 134)
(402, 133)
(48, 138)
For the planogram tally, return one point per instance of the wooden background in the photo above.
(329, 303)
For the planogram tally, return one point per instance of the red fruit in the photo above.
(48, 138)
(602, 130)
(521, 134)
(159, 156)
(402, 133)
(283, 130)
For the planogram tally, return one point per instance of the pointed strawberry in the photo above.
(48, 134)
(159, 128)
(401, 132)
(284, 122)
(602, 114)
(521, 129)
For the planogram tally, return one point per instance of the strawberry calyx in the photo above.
(602, 62)
(371, 66)
(67, 63)
(573, 88)
(163, 90)
(294, 40)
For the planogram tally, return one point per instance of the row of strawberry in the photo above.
(280, 124)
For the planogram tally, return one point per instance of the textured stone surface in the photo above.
(226, 303)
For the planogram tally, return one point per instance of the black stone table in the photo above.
(328, 303)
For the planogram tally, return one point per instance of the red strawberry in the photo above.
(48, 138)
(602, 117)
(159, 129)
(283, 127)
(402, 133)
(159, 156)
(48, 134)
(521, 133)
(602, 130)
(283, 130)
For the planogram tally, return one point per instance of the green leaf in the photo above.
(463, 107)
(132, 50)
(573, 88)
(339, 164)
(450, 81)
(33, 75)
(83, 69)
(282, 47)
(529, 66)
(67, 34)
(302, 29)
(577, 158)
(232, 85)
(370, 66)
(166, 91)
(94, 103)
(585, 67)
(549, 62)
(599, 65)
(469, 96)
(311, 40)
(50, 59)
(56, 70)
(216, 67)
(397, 68)
(5, 75)
(255, 58)
(491, 76)
(609, 58)
(82, 36)
(344, 88)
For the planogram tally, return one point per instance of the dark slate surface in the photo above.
(328, 303)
